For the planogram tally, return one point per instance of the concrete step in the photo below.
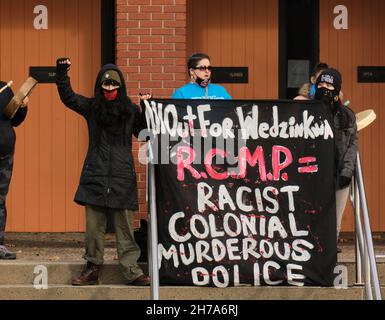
(19, 272)
(119, 292)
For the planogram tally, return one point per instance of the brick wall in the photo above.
(151, 52)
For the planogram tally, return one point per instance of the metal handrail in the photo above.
(365, 257)
(153, 230)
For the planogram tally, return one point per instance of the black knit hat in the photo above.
(331, 76)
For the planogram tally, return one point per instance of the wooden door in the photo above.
(238, 33)
(362, 44)
(51, 144)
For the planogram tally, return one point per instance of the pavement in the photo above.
(64, 247)
(54, 247)
(61, 255)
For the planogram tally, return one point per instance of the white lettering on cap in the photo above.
(327, 78)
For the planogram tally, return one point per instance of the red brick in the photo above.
(163, 62)
(139, 16)
(127, 24)
(127, 9)
(180, 32)
(174, 54)
(175, 39)
(181, 76)
(151, 69)
(139, 62)
(180, 46)
(150, 84)
(158, 31)
(151, 9)
(180, 62)
(137, 31)
(163, 16)
(127, 39)
(140, 76)
(151, 54)
(141, 184)
(121, 61)
(121, 16)
(151, 39)
(131, 84)
(162, 93)
(127, 54)
(151, 24)
(162, 76)
(162, 46)
(139, 46)
(121, 46)
(174, 69)
(180, 16)
(140, 2)
(162, 2)
(143, 208)
(129, 69)
(175, 24)
(175, 9)
(121, 31)
(173, 84)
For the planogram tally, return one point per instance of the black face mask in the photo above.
(202, 82)
(326, 95)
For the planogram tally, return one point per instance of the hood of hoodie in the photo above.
(102, 71)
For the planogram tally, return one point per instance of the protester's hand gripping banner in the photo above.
(245, 192)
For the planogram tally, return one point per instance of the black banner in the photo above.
(245, 192)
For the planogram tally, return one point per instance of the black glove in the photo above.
(62, 66)
(142, 105)
(344, 181)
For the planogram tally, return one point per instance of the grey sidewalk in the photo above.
(70, 246)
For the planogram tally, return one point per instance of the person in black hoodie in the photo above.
(328, 88)
(7, 150)
(108, 179)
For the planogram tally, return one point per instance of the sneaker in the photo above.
(141, 281)
(5, 254)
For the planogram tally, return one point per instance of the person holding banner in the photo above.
(200, 87)
(108, 180)
(328, 88)
(7, 150)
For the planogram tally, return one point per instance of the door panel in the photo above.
(52, 142)
(362, 44)
(238, 33)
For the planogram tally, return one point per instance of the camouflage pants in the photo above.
(6, 166)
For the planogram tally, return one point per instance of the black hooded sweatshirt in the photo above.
(108, 178)
(7, 133)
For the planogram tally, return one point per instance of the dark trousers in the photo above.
(6, 166)
(127, 248)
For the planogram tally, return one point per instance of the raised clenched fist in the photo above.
(63, 65)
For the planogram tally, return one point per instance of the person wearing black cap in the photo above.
(108, 180)
(328, 87)
(307, 91)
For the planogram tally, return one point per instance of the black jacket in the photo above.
(108, 178)
(346, 142)
(7, 133)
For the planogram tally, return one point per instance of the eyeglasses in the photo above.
(204, 68)
(111, 82)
